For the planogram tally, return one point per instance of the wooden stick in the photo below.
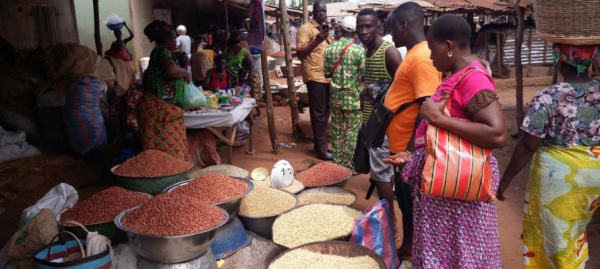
(290, 70)
(518, 63)
(97, 28)
(305, 10)
(269, 100)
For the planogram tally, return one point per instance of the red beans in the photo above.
(173, 214)
(104, 206)
(213, 187)
(323, 174)
(152, 163)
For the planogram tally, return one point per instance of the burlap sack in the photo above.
(36, 234)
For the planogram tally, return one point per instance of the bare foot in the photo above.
(256, 117)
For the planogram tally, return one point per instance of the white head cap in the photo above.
(181, 30)
(349, 24)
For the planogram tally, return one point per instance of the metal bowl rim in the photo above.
(378, 258)
(276, 215)
(122, 214)
(185, 182)
(318, 190)
(112, 171)
(329, 184)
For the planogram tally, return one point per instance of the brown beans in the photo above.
(152, 163)
(213, 187)
(173, 214)
(323, 174)
(104, 206)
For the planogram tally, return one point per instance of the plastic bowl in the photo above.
(232, 206)
(170, 249)
(149, 185)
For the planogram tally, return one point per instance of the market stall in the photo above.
(223, 122)
(224, 217)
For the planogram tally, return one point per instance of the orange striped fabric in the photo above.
(455, 168)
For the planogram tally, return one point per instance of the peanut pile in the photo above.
(152, 163)
(323, 174)
(213, 187)
(173, 214)
(104, 206)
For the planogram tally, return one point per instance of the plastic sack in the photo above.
(57, 199)
(82, 115)
(17, 151)
(193, 97)
(114, 22)
(242, 134)
(375, 230)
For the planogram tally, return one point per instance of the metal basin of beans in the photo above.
(172, 228)
(223, 191)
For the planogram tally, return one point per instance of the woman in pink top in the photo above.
(450, 233)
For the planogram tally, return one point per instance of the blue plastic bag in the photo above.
(375, 230)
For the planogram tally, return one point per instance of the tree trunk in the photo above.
(269, 99)
(97, 28)
(518, 64)
(305, 10)
(285, 34)
(226, 18)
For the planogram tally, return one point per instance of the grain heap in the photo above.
(263, 202)
(295, 187)
(313, 223)
(327, 198)
(104, 206)
(223, 169)
(172, 214)
(152, 163)
(306, 259)
(323, 174)
(215, 188)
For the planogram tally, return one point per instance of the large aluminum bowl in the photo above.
(232, 206)
(170, 249)
(263, 226)
(149, 185)
(337, 248)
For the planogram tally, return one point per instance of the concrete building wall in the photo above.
(85, 21)
(18, 22)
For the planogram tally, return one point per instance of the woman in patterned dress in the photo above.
(160, 113)
(561, 133)
(450, 233)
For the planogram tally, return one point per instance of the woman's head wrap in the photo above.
(577, 56)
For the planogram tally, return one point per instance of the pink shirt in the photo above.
(463, 92)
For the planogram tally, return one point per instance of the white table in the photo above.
(223, 124)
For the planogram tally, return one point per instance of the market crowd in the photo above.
(401, 109)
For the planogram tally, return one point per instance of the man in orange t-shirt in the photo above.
(416, 77)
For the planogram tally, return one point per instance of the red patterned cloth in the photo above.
(162, 127)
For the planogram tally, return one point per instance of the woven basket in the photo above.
(574, 22)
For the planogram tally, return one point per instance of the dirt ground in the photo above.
(88, 177)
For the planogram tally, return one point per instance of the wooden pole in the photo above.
(305, 10)
(269, 99)
(290, 70)
(226, 19)
(97, 28)
(518, 64)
